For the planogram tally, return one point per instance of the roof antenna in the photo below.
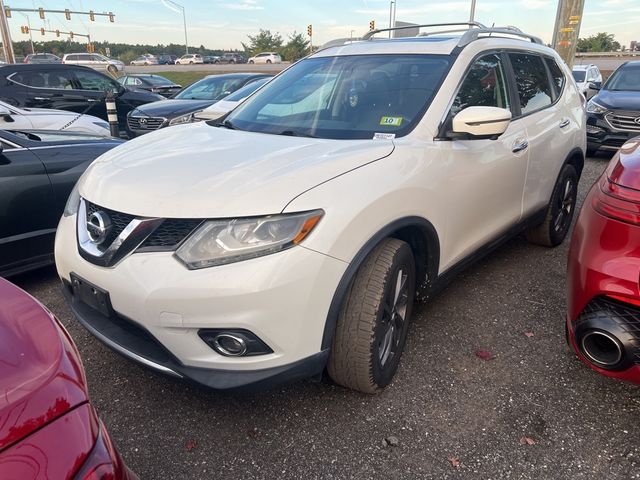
(492, 25)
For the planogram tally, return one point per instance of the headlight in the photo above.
(593, 107)
(73, 202)
(218, 242)
(184, 118)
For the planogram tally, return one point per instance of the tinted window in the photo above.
(579, 75)
(94, 81)
(345, 97)
(485, 86)
(532, 81)
(72, 58)
(58, 79)
(85, 58)
(557, 75)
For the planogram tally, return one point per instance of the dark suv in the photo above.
(613, 115)
(68, 87)
(231, 58)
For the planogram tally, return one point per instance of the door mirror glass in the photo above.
(4, 111)
(481, 122)
(594, 86)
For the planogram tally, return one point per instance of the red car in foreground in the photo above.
(48, 428)
(603, 320)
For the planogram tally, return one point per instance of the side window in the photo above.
(557, 75)
(484, 86)
(532, 81)
(130, 81)
(72, 58)
(95, 81)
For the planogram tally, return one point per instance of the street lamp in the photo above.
(176, 7)
(473, 11)
(392, 15)
(30, 34)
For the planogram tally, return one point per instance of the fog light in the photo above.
(230, 345)
(234, 342)
(593, 129)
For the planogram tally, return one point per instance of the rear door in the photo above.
(27, 222)
(52, 88)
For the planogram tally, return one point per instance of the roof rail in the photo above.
(368, 35)
(474, 34)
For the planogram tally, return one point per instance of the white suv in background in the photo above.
(95, 61)
(190, 59)
(294, 234)
(585, 75)
(267, 57)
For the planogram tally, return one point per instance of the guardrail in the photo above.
(608, 54)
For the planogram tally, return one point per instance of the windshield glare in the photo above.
(578, 75)
(214, 88)
(625, 78)
(345, 97)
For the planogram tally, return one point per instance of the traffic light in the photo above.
(7, 12)
(57, 33)
(90, 48)
(111, 17)
(71, 35)
(92, 17)
(67, 14)
(41, 13)
(372, 25)
(310, 30)
(42, 31)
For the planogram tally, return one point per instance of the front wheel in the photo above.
(251, 62)
(268, 61)
(551, 232)
(232, 61)
(373, 322)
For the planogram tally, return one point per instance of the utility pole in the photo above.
(7, 45)
(168, 4)
(472, 16)
(567, 28)
(392, 15)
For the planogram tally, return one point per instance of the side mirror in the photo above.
(481, 123)
(594, 86)
(5, 114)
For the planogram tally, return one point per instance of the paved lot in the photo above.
(445, 402)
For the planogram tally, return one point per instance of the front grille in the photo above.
(624, 120)
(626, 316)
(170, 233)
(144, 123)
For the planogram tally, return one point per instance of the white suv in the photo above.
(267, 57)
(190, 59)
(95, 61)
(294, 234)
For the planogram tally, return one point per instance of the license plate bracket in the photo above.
(91, 295)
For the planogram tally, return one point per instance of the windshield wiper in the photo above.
(226, 124)
(293, 133)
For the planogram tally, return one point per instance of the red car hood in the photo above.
(41, 376)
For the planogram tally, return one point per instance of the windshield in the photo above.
(345, 97)
(626, 78)
(158, 81)
(247, 90)
(578, 75)
(214, 88)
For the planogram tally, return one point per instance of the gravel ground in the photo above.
(445, 406)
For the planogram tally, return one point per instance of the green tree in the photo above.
(296, 48)
(264, 41)
(601, 42)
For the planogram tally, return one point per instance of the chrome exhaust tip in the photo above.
(602, 348)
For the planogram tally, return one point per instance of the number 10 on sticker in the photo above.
(391, 121)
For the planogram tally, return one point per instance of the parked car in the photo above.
(68, 87)
(182, 107)
(95, 61)
(167, 59)
(42, 58)
(267, 57)
(38, 169)
(210, 58)
(153, 83)
(231, 58)
(49, 428)
(228, 103)
(190, 59)
(14, 118)
(145, 60)
(585, 75)
(296, 234)
(603, 317)
(613, 115)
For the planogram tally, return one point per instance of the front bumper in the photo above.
(602, 136)
(159, 306)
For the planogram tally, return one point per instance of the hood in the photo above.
(143, 96)
(200, 171)
(41, 376)
(618, 100)
(171, 108)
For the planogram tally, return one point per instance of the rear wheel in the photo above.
(372, 326)
(551, 232)
(251, 61)
(191, 63)
(268, 61)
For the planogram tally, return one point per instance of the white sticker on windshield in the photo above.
(384, 136)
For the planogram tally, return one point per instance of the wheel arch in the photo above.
(576, 159)
(423, 239)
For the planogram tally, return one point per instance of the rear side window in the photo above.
(89, 80)
(532, 81)
(484, 86)
(72, 58)
(557, 75)
(57, 79)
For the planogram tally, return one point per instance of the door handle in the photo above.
(41, 98)
(92, 100)
(565, 123)
(519, 145)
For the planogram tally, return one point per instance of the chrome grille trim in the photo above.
(624, 121)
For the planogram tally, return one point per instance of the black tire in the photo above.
(591, 151)
(112, 70)
(372, 326)
(190, 63)
(552, 231)
(251, 62)
(268, 61)
(232, 61)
